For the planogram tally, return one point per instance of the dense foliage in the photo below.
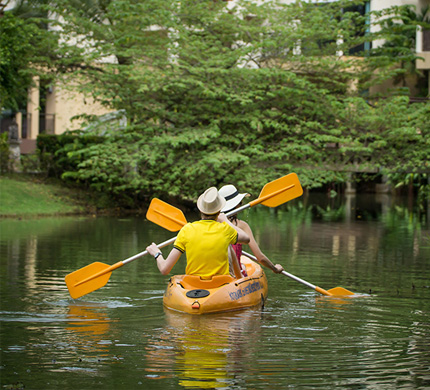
(4, 153)
(218, 92)
(26, 47)
(53, 151)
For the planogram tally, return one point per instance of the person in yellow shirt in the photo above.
(205, 242)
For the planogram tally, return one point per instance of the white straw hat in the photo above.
(232, 197)
(210, 202)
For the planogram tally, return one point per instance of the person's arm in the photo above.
(234, 262)
(261, 257)
(164, 265)
(242, 237)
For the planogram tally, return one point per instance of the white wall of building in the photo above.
(65, 104)
(379, 5)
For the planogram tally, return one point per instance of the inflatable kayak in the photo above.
(190, 294)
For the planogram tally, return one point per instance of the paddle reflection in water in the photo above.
(90, 331)
(206, 350)
(89, 324)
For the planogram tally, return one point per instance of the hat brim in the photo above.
(232, 203)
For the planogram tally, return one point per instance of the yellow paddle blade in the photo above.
(279, 191)
(76, 277)
(165, 215)
(340, 291)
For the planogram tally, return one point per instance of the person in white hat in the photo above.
(233, 200)
(206, 242)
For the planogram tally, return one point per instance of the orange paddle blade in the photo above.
(74, 280)
(165, 215)
(334, 292)
(340, 291)
(279, 191)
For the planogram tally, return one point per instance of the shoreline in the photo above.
(27, 196)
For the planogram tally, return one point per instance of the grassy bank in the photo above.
(27, 196)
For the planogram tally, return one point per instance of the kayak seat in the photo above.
(194, 281)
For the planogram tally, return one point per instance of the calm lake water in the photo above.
(121, 337)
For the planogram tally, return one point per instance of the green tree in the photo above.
(15, 49)
(216, 93)
(26, 49)
(398, 28)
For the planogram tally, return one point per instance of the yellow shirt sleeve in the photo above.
(181, 241)
(232, 233)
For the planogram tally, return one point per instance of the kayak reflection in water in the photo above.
(233, 200)
(206, 242)
(203, 352)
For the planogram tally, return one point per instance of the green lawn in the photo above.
(26, 196)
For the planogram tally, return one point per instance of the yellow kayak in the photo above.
(190, 294)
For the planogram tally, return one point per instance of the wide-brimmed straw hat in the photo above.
(232, 197)
(210, 202)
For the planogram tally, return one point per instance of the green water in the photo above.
(121, 337)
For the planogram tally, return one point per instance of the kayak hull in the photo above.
(192, 295)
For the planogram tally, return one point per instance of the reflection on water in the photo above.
(121, 337)
(206, 351)
(90, 325)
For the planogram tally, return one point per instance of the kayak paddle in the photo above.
(96, 275)
(171, 218)
(273, 194)
(336, 291)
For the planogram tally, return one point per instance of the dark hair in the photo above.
(209, 216)
(233, 218)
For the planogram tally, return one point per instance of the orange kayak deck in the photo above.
(190, 294)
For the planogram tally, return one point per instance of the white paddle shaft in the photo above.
(162, 245)
(252, 257)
